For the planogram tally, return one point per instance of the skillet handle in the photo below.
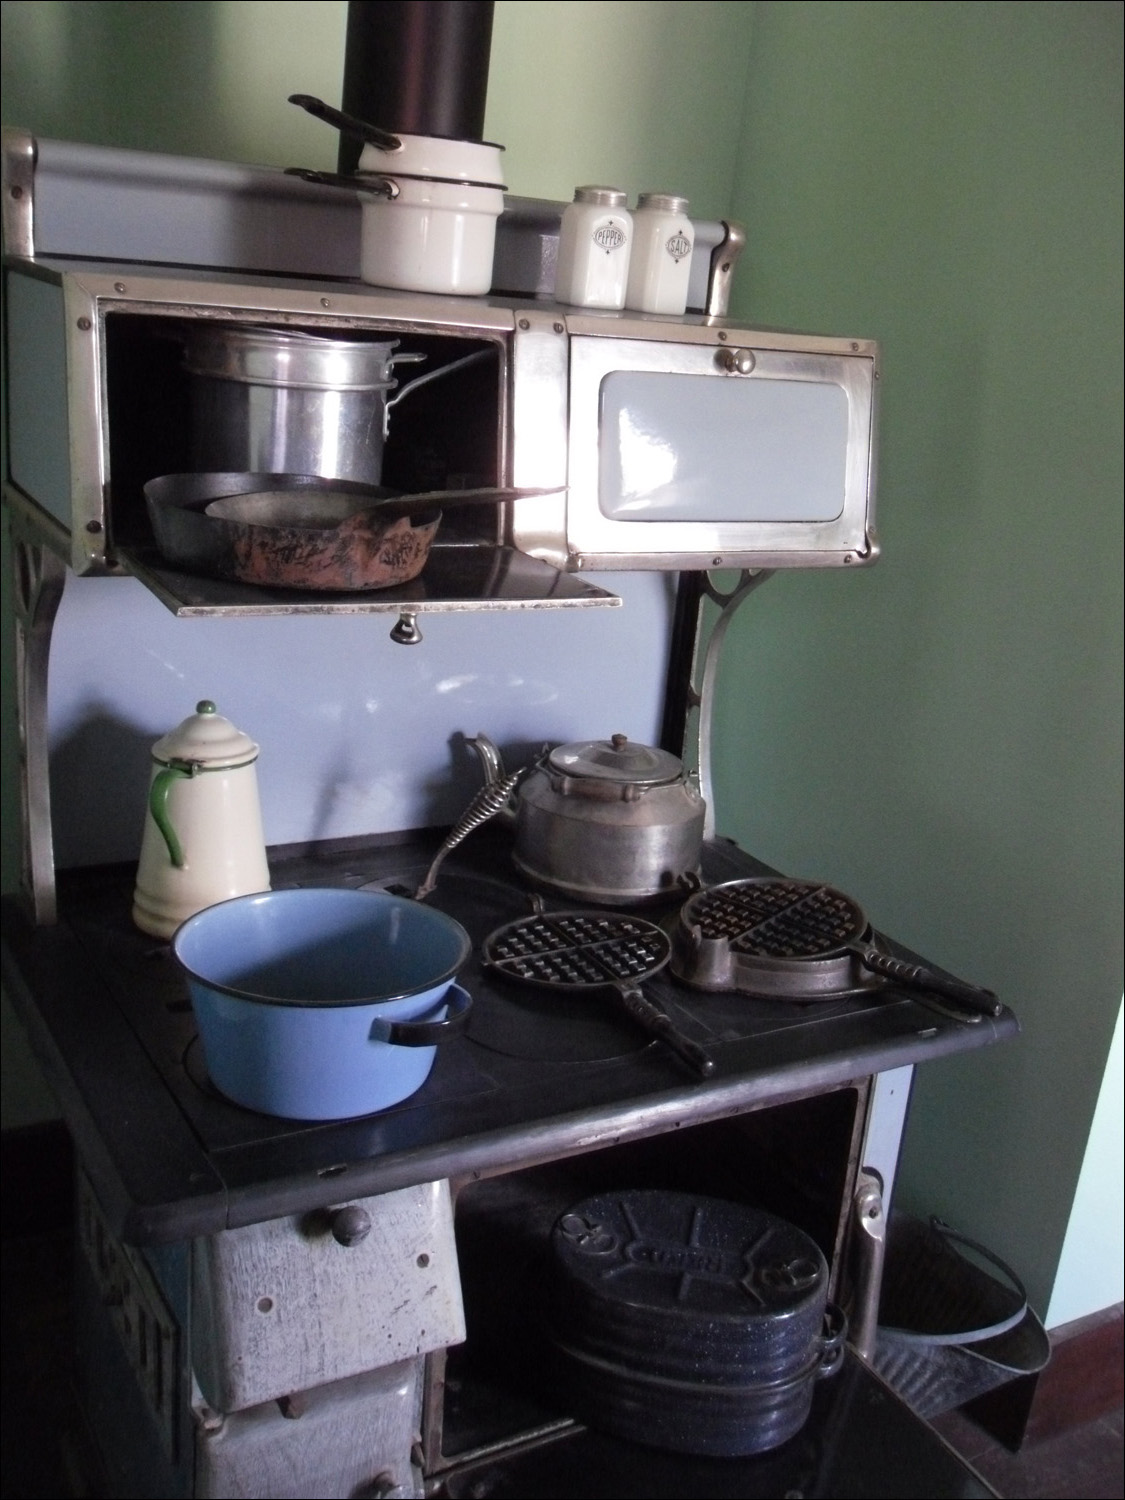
(373, 184)
(426, 1033)
(657, 1024)
(915, 977)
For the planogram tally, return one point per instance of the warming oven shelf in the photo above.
(109, 1017)
(455, 578)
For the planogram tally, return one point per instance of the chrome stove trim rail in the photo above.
(18, 155)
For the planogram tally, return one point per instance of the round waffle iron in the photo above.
(795, 940)
(600, 953)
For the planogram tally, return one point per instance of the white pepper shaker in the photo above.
(660, 266)
(594, 244)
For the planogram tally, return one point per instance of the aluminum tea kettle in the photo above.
(202, 840)
(610, 821)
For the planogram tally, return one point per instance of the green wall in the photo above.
(939, 735)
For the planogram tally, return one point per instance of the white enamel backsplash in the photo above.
(358, 735)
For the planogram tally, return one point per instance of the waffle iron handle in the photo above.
(660, 1025)
(914, 976)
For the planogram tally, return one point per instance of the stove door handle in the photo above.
(426, 1033)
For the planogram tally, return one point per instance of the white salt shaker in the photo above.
(660, 266)
(594, 244)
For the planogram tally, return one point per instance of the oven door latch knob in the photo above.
(735, 361)
(350, 1225)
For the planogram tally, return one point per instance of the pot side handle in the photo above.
(426, 1033)
(833, 1339)
(421, 380)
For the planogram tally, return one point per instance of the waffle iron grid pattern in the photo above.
(777, 918)
(577, 949)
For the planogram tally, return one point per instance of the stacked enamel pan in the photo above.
(430, 205)
(688, 1323)
(429, 214)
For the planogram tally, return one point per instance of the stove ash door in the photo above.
(300, 1301)
(281, 1359)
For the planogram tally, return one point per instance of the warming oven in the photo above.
(693, 443)
(358, 1307)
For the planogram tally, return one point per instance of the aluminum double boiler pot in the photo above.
(609, 821)
(282, 401)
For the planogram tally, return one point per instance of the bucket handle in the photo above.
(426, 1033)
(974, 1335)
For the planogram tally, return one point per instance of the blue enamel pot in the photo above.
(320, 1004)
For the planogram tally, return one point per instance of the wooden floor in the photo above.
(1084, 1463)
(42, 1446)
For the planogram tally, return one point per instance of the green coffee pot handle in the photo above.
(158, 804)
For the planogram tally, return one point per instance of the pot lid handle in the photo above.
(347, 124)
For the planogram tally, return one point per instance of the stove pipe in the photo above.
(419, 67)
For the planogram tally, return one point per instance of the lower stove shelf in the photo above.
(860, 1439)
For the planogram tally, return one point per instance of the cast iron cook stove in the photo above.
(550, 1096)
(275, 1308)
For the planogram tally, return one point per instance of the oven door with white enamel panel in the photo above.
(700, 447)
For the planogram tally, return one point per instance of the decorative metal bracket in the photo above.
(701, 699)
(38, 577)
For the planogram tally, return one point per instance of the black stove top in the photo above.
(538, 1074)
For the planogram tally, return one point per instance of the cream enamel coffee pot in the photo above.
(203, 840)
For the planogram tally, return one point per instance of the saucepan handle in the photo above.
(915, 977)
(372, 184)
(426, 1033)
(660, 1025)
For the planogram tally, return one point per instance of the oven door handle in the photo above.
(426, 1033)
